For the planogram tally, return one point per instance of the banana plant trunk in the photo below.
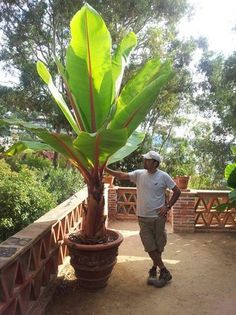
(93, 226)
(94, 262)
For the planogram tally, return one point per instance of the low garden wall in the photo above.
(194, 211)
(29, 260)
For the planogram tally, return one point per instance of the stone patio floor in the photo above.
(203, 266)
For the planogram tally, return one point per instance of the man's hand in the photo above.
(163, 211)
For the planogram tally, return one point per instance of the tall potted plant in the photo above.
(103, 121)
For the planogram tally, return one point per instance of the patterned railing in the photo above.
(204, 213)
(126, 202)
(29, 260)
(207, 217)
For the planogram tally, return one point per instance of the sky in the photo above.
(213, 19)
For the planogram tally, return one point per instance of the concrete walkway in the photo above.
(203, 266)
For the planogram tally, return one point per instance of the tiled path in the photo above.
(204, 279)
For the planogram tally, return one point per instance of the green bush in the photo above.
(63, 183)
(33, 161)
(23, 199)
(29, 187)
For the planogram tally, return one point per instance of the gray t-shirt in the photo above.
(150, 191)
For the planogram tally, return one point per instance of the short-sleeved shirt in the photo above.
(150, 191)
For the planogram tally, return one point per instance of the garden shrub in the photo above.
(63, 183)
(29, 187)
(33, 161)
(23, 199)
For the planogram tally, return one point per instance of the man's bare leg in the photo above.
(165, 275)
(156, 258)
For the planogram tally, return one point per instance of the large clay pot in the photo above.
(93, 264)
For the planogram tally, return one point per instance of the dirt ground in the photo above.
(203, 266)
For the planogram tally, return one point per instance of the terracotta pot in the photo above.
(108, 179)
(182, 181)
(93, 264)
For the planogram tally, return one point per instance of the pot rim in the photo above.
(89, 247)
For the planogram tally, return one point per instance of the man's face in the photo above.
(149, 164)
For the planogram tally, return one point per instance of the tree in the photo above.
(217, 101)
(218, 92)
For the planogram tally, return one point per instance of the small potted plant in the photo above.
(103, 120)
(181, 175)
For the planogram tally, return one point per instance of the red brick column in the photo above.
(184, 213)
(112, 202)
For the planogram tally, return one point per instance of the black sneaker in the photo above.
(152, 276)
(165, 275)
(159, 283)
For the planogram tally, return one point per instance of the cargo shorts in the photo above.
(153, 233)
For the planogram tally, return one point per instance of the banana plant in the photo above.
(103, 116)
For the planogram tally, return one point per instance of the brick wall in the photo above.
(183, 213)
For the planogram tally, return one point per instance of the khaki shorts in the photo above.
(153, 233)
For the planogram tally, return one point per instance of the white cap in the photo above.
(152, 155)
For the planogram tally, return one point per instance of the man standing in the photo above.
(152, 210)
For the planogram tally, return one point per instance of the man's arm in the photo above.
(176, 193)
(175, 196)
(118, 174)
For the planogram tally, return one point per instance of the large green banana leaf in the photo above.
(22, 146)
(131, 145)
(60, 143)
(45, 75)
(89, 67)
(136, 98)
(87, 150)
(120, 59)
(100, 146)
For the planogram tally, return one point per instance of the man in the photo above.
(152, 210)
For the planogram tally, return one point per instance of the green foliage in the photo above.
(23, 199)
(202, 181)
(218, 92)
(33, 161)
(208, 150)
(178, 158)
(230, 176)
(63, 183)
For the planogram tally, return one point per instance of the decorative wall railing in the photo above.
(126, 202)
(29, 260)
(207, 217)
(194, 211)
